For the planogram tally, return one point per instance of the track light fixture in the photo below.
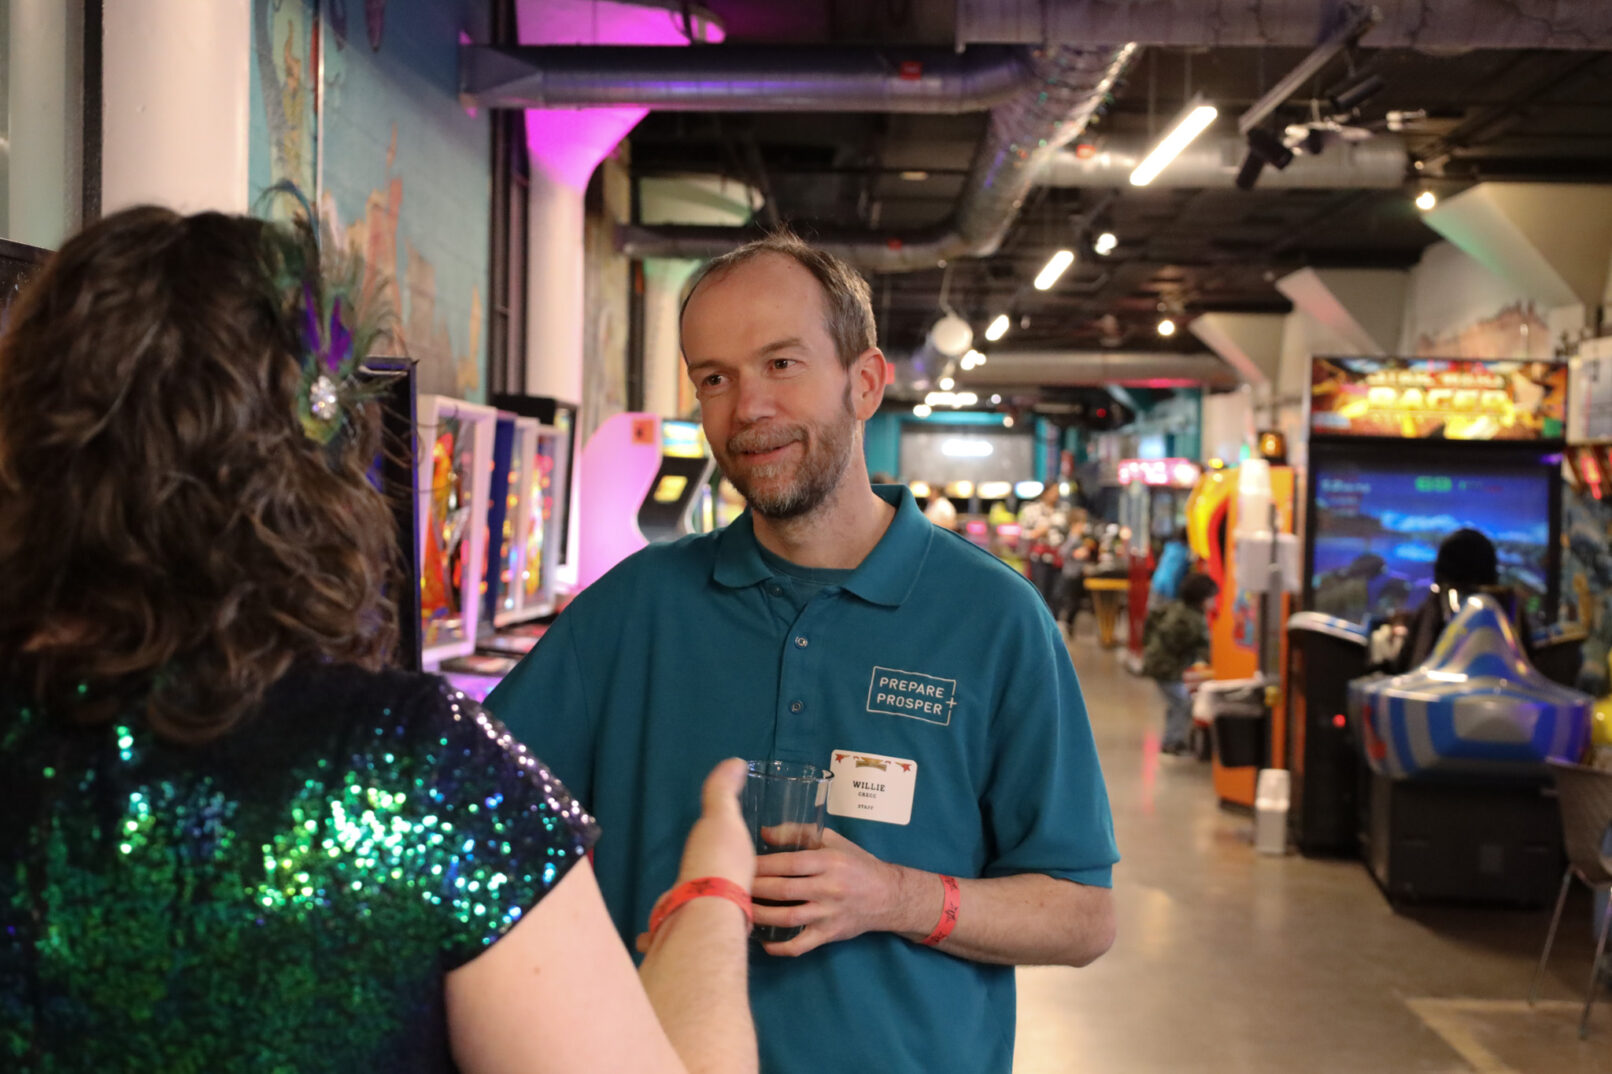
(1263, 148)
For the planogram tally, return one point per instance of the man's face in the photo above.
(779, 409)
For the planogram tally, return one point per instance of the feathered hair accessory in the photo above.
(320, 291)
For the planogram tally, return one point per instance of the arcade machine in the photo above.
(390, 382)
(1152, 506)
(551, 567)
(455, 471)
(18, 263)
(1457, 751)
(639, 478)
(515, 531)
(1153, 496)
(1241, 649)
(1402, 453)
(673, 507)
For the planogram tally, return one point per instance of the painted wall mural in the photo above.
(1517, 331)
(357, 104)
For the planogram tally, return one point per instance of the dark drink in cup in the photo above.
(784, 804)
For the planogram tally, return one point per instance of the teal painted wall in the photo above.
(404, 177)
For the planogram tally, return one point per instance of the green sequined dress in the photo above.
(286, 899)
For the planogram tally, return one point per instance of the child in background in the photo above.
(1177, 637)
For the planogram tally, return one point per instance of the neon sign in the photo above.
(1168, 473)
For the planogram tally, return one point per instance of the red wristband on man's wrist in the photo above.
(689, 890)
(948, 912)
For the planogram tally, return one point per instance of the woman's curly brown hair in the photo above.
(170, 539)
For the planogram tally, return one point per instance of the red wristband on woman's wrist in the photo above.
(690, 890)
(948, 912)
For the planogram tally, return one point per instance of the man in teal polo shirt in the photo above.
(969, 828)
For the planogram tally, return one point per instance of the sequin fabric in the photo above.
(288, 899)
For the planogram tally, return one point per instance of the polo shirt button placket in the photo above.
(797, 706)
(800, 641)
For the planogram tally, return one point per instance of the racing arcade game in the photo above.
(1402, 453)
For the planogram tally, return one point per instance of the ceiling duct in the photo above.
(745, 78)
(1017, 369)
(1024, 132)
(1212, 163)
(1416, 24)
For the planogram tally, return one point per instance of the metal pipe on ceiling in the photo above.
(746, 78)
(1024, 132)
(1212, 163)
(1073, 368)
(1414, 24)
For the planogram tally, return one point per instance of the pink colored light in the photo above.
(614, 475)
(1173, 473)
(568, 143)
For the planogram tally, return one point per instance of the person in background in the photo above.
(823, 627)
(940, 510)
(1044, 526)
(1175, 559)
(233, 840)
(1081, 556)
(1176, 638)
(1465, 564)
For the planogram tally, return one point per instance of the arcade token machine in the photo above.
(1402, 453)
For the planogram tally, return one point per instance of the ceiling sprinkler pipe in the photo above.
(1071, 83)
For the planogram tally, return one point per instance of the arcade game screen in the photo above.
(1378, 528)
(442, 560)
(540, 512)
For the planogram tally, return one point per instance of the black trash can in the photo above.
(1242, 733)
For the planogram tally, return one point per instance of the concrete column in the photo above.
(663, 364)
(45, 84)
(554, 315)
(176, 104)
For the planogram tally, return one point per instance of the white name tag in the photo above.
(871, 787)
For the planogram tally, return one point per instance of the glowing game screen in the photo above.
(442, 559)
(1377, 529)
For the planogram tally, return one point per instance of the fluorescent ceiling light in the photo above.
(998, 328)
(1192, 121)
(946, 384)
(922, 410)
(1055, 268)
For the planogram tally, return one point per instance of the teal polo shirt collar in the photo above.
(886, 576)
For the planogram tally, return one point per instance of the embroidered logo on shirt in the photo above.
(908, 693)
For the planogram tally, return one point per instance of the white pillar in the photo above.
(176, 104)
(663, 361)
(45, 85)
(554, 314)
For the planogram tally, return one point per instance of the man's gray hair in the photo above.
(847, 298)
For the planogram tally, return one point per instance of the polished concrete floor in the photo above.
(1232, 961)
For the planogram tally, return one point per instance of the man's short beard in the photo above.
(828, 456)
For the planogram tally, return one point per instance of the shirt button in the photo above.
(796, 706)
(775, 590)
(800, 641)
